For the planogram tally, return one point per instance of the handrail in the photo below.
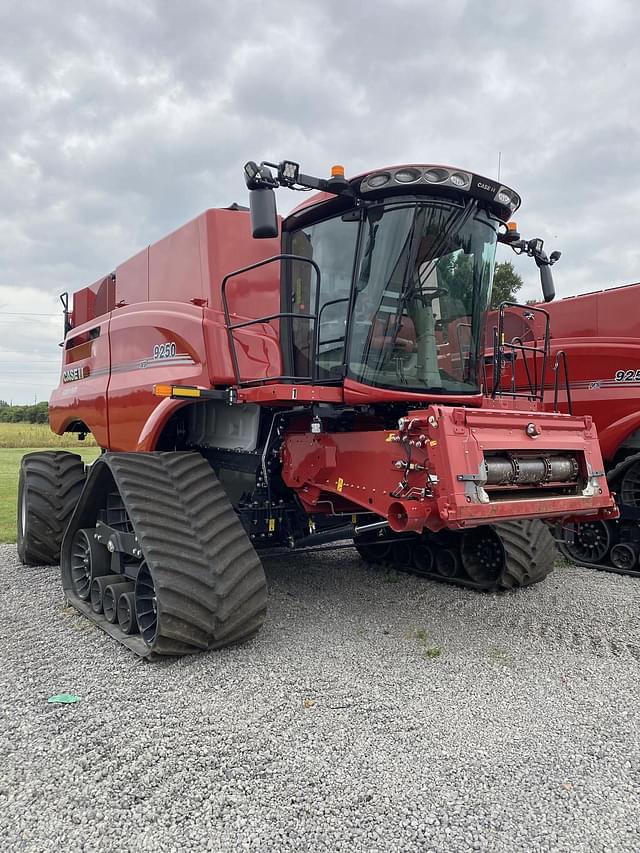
(326, 305)
(536, 390)
(281, 315)
(556, 383)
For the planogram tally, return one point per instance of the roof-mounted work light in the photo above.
(288, 173)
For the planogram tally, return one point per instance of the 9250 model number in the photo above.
(167, 350)
(627, 376)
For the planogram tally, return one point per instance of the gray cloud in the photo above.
(120, 121)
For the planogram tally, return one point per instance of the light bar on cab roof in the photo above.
(441, 176)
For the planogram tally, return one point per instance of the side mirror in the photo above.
(264, 215)
(64, 298)
(546, 280)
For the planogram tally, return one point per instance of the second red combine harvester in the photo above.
(330, 387)
(600, 335)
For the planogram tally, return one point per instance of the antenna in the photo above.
(499, 163)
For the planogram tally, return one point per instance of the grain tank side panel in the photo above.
(132, 280)
(175, 273)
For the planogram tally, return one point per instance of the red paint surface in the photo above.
(600, 332)
(339, 466)
(170, 295)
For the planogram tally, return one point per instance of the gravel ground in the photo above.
(373, 712)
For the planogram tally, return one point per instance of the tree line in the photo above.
(37, 413)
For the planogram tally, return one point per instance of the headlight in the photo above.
(380, 180)
(459, 179)
(407, 176)
(436, 176)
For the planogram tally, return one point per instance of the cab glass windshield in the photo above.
(422, 289)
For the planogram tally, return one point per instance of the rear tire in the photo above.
(49, 486)
(530, 552)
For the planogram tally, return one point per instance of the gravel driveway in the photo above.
(373, 712)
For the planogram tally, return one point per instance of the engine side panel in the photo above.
(81, 396)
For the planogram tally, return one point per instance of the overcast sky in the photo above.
(121, 120)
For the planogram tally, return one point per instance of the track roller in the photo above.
(49, 486)
(447, 563)
(624, 556)
(165, 518)
(98, 587)
(110, 599)
(423, 558)
(127, 613)
(489, 557)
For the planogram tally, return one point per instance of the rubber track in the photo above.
(530, 553)
(53, 480)
(615, 473)
(210, 585)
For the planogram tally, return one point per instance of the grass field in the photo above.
(39, 435)
(10, 456)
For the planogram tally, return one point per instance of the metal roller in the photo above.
(530, 470)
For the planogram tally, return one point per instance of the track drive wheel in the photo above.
(530, 552)
(48, 489)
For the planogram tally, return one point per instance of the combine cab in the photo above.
(261, 384)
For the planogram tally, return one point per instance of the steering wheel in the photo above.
(431, 293)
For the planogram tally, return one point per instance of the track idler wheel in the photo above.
(127, 613)
(98, 587)
(146, 605)
(483, 556)
(624, 556)
(629, 489)
(588, 542)
(89, 560)
(110, 599)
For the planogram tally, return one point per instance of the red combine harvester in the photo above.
(600, 334)
(331, 387)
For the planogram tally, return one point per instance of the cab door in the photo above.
(331, 244)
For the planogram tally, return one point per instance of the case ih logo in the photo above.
(73, 374)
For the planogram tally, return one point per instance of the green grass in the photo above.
(9, 469)
(40, 436)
